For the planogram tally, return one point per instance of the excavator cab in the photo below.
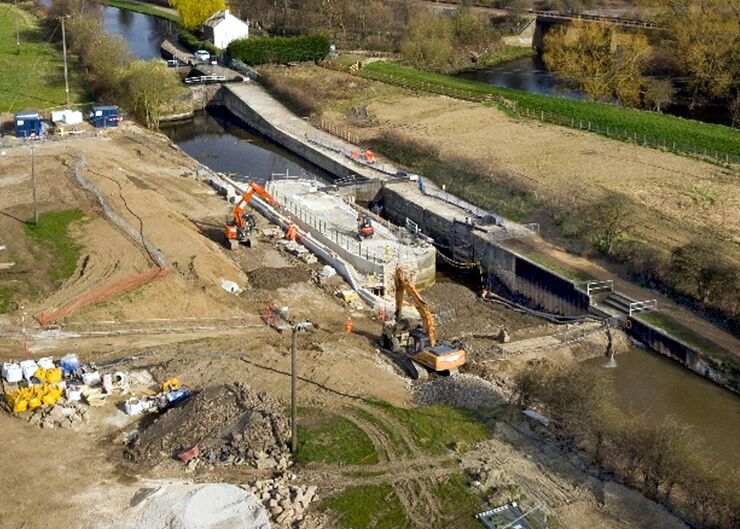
(364, 226)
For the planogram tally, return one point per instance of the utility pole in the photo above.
(296, 327)
(64, 51)
(33, 180)
(293, 407)
(17, 30)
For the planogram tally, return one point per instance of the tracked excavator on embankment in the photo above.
(240, 228)
(417, 341)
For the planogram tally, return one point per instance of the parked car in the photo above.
(202, 56)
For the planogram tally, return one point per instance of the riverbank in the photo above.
(715, 142)
(146, 8)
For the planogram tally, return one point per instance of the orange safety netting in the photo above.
(103, 294)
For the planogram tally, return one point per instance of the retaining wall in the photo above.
(546, 289)
(302, 148)
(725, 373)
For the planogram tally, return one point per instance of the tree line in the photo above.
(146, 88)
(662, 458)
(695, 58)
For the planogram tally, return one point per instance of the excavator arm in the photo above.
(403, 285)
(246, 197)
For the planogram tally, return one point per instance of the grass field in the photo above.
(52, 233)
(327, 438)
(367, 506)
(146, 9)
(34, 78)
(650, 127)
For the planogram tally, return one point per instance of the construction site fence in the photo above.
(102, 294)
(549, 117)
(119, 221)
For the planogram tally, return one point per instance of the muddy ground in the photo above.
(185, 325)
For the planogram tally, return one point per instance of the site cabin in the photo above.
(223, 28)
(105, 116)
(28, 125)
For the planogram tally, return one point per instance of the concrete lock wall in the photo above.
(296, 145)
(522, 276)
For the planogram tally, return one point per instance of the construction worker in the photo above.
(290, 233)
(348, 326)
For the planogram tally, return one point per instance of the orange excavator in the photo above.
(423, 353)
(240, 227)
(365, 228)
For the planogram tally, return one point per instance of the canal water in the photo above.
(222, 142)
(656, 388)
(531, 75)
(644, 382)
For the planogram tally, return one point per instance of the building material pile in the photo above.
(286, 503)
(222, 424)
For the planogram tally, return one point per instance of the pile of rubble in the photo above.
(462, 390)
(286, 503)
(68, 415)
(223, 424)
(297, 249)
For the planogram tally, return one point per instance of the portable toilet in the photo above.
(105, 116)
(28, 125)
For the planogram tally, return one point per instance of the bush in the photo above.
(279, 50)
(193, 43)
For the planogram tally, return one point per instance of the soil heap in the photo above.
(230, 424)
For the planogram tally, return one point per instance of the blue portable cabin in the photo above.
(105, 116)
(28, 124)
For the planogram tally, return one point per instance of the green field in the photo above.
(52, 233)
(327, 438)
(653, 129)
(146, 9)
(34, 78)
(368, 506)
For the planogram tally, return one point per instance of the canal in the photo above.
(645, 383)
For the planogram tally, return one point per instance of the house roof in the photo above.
(219, 17)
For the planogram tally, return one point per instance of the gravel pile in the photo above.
(210, 506)
(462, 390)
(229, 424)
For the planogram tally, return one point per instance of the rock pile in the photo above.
(229, 424)
(286, 503)
(462, 390)
(70, 415)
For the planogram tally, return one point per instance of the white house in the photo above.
(223, 27)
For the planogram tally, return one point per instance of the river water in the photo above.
(644, 382)
(531, 75)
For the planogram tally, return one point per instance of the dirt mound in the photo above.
(226, 422)
(274, 278)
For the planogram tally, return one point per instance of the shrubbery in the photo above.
(193, 43)
(265, 50)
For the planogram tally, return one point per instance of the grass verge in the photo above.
(34, 77)
(52, 233)
(437, 428)
(145, 9)
(328, 438)
(6, 299)
(375, 506)
(652, 128)
(509, 53)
